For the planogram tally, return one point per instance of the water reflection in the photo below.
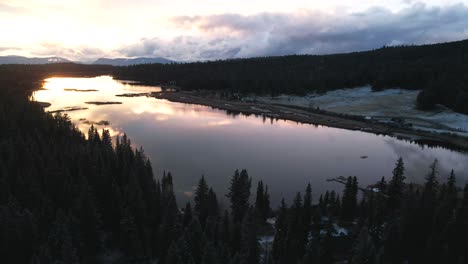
(191, 140)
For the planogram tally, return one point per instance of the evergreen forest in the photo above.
(439, 70)
(67, 197)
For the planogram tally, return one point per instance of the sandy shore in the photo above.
(312, 116)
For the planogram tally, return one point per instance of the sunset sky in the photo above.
(216, 29)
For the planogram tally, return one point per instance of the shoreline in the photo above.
(316, 117)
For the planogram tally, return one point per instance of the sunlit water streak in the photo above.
(191, 140)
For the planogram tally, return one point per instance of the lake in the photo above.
(192, 140)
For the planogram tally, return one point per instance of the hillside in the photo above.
(439, 69)
(134, 61)
(26, 60)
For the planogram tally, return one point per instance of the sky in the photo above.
(188, 30)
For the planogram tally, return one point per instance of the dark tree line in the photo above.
(393, 222)
(439, 69)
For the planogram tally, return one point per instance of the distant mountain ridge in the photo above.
(134, 61)
(25, 60)
(13, 59)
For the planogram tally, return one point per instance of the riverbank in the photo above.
(383, 106)
(317, 117)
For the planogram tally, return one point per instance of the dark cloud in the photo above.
(306, 32)
(184, 48)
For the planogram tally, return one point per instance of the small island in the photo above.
(68, 109)
(102, 103)
(43, 104)
(79, 90)
(132, 94)
(89, 122)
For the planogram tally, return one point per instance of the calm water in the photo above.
(191, 140)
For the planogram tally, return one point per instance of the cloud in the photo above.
(184, 48)
(8, 48)
(77, 54)
(417, 162)
(304, 32)
(7, 8)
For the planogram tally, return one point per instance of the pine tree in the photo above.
(239, 194)
(130, 242)
(297, 231)
(167, 188)
(451, 184)
(226, 233)
(91, 134)
(179, 252)
(210, 255)
(259, 202)
(396, 185)
(169, 229)
(458, 231)
(431, 187)
(281, 231)
(382, 185)
(213, 207)
(364, 250)
(332, 204)
(392, 242)
(311, 253)
(326, 249)
(18, 232)
(196, 240)
(424, 216)
(60, 247)
(308, 205)
(89, 224)
(262, 202)
(321, 204)
(187, 215)
(107, 141)
(201, 201)
(250, 247)
(349, 200)
(266, 203)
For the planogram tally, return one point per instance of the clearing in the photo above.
(391, 105)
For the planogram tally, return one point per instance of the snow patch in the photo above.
(337, 231)
(380, 105)
(271, 221)
(266, 240)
